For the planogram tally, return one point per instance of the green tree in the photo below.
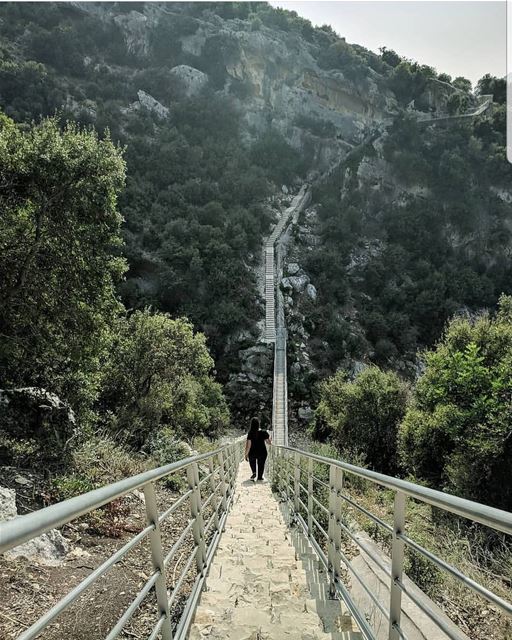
(462, 83)
(59, 232)
(457, 433)
(491, 85)
(363, 415)
(158, 375)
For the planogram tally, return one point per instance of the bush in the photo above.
(95, 463)
(456, 434)
(364, 415)
(159, 375)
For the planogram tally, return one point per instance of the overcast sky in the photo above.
(460, 38)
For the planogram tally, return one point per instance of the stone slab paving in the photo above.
(257, 588)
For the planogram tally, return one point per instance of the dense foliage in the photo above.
(64, 334)
(405, 257)
(59, 233)
(363, 415)
(457, 432)
(158, 374)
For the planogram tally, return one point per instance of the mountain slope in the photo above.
(219, 105)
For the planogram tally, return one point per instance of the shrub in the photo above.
(364, 414)
(95, 463)
(456, 434)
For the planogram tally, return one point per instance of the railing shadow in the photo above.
(337, 621)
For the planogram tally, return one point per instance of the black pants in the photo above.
(259, 458)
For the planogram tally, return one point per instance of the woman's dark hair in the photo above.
(255, 426)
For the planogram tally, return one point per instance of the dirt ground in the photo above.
(28, 590)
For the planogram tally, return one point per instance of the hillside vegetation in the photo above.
(145, 198)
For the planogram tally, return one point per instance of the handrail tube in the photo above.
(205, 479)
(361, 582)
(157, 627)
(488, 516)
(485, 593)
(211, 520)
(365, 549)
(41, 624)
(18, 530)
(183, 624)
(361, 621)
(322, 506)
(183, 573)
(320, 528)
(317, 479)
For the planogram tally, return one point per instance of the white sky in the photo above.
(463, 38)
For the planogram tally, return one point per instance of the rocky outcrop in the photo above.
(192, 80)
(149, 103)
(134, 26)
(37, 422)
(49, 549)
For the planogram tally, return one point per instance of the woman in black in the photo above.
(256, 449)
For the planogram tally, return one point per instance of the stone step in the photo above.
(258, 588)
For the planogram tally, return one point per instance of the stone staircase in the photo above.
(264, 582)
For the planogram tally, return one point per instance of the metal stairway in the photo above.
(275, 327)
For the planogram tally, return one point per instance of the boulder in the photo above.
(306, 413)
(7, 504)
(311, 291)
(149, 103)
(286, 284)
(49, 548)
(192, 79)
(293, 268)
(299, 283)
(38, 421)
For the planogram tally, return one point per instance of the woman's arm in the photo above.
(247, 448)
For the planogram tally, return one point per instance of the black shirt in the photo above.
(257, 440)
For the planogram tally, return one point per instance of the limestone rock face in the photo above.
(49, 549)
(151, 104)
(39, 418)
(134, 26)
(192, 79)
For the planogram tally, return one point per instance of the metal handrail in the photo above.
(490, 516)
(224, 461)
(288, 464)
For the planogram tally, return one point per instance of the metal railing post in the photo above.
(296, 481)
(310, 497)
(397, 566)
(213, 487)
(331, 550)
(338, 483)
(157, 557)
(223, 487)
(195, 511)
(277, 468)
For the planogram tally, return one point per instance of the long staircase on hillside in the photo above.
(275, 327)
(236, 560)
